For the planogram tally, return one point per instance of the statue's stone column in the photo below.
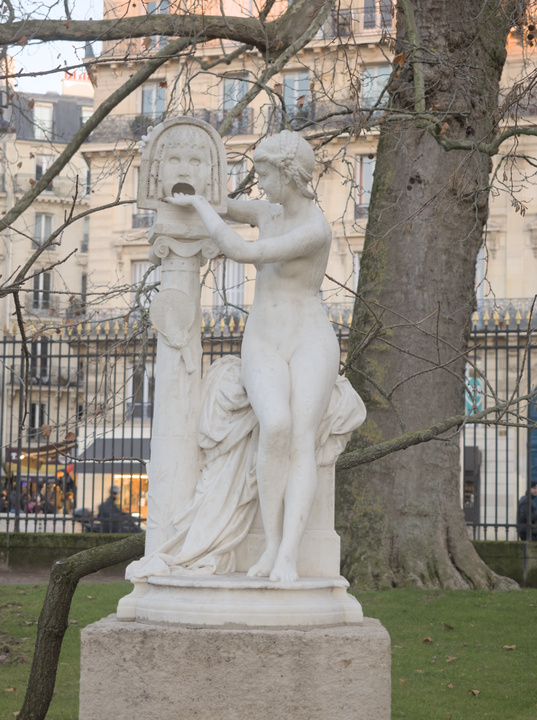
(175, 313)
(184, 155)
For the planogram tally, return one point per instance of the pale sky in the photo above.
(42, 56)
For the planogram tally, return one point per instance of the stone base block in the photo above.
(168, 672)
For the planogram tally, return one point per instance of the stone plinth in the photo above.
(217, 600)
(166, 672)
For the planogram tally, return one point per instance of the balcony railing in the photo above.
(326, 115)
(61, 187)
(346, 23)
(243, 125)
(131, 127)
(54, 377)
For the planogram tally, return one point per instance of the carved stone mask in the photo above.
(185, 164)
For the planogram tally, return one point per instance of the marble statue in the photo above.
(241, 476)
(290, 354)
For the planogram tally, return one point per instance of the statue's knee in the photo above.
(277, 430)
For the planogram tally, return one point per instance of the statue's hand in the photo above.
(184, 200)
(144, 139)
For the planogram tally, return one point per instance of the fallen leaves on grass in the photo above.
(450, 658)
(475, 693)
(509, 647)
(451, 686)
(447, 626)
(427, 640)
(10, 689)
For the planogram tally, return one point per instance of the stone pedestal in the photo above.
(168, 672)
(223, 600)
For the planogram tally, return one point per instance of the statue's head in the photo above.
(292, 155)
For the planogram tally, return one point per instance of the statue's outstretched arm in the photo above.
(295, 243)
(244, 211)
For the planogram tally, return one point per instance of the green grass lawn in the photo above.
(455, 655)
(460, 655)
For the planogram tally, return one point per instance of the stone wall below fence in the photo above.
(25, 553)
(517, 560)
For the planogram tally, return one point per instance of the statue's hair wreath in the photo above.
(287, 161)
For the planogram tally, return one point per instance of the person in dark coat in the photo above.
(109, 513)
(526, 503)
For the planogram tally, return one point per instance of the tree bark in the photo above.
(401, 516)
(54, 617)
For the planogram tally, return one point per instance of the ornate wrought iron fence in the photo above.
(77, 412)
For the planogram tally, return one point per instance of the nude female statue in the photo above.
(290, 354)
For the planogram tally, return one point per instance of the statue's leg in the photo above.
(265, 376)
(313, 370)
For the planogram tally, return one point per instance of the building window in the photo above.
(42, 164)
(85, 113)
(144, 275)
(153, 101)
(83, 288)
(229, 278)
(377, 15)
(140, 218)
(84, 245)
(236, 173)
(296, 94)
(39, 360)
(43, 121)
(338, 24)
(37, 418)
(142, 395)
(41, 297)
(365, 168)
(87, 182)
(234, 89)
(43, 228)
(158, 7)
(374, 80)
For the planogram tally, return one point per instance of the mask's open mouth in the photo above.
(184, 188)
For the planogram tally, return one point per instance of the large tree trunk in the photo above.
(401, 517)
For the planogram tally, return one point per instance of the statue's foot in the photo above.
(284, 570)
(263, 566)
